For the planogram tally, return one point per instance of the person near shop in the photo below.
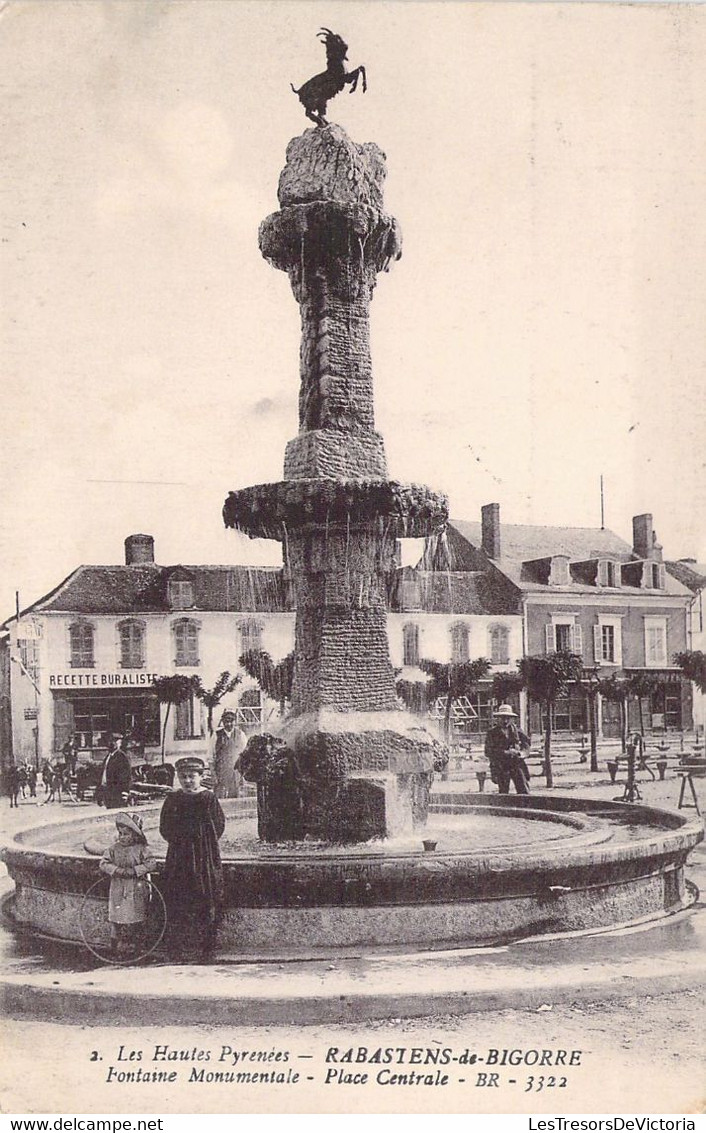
(13, 785)
(32, 781)
(128, 863)
(56, 784)
(47, 773)
(504, 744)
(116, 776)
(69, 752)
(191, 882)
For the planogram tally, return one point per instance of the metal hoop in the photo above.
(132, 959)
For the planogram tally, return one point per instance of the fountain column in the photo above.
(360, 765)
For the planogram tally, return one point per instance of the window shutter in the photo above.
(549, 638)
(619, 643)
(577, 639)
(597, 643)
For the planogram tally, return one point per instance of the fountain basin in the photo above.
(546, 865)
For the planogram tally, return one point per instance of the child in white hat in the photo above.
(127, 862)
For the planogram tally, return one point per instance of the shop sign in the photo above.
(102, 680)
(30, 713)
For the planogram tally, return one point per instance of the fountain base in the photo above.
(505, 867)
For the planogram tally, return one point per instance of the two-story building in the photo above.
(588, 591)
(82, 659)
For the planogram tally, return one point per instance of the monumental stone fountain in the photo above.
(349, 763)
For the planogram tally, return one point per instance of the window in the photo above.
(657, 576)
(559, 574)
(184, 724)
(460, 651)
(655, 642)
(608, 573)
(186, 642)
(607, 642)
(132, 644)
(499, 645)
(81, 645)
(29, 656)
(410, 645)
(181, 594)
(250, 636)
(564, 635)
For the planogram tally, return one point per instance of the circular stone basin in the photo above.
(504, 867)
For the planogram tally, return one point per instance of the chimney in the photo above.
(490, 529)
(139, 549)
(642, 537)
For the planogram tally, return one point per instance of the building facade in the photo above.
(587, 591)
(81, 661)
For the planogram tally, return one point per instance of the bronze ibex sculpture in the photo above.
(315, 93)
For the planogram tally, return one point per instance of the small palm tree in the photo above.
(692, 663)
(212, 697)
(275, 680)
(616, 689)
(172, 690)
(641, 685)
(546, 679)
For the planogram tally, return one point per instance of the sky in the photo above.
(544, 327)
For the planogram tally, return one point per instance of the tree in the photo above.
(616, 689)
(589, 689)
(275, 680)
(692, 663)
(457, 678)
(546, 679)
(172, 690)
(212, 697)
(641, 685)
(414, 695)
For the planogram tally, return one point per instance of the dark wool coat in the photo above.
(191, 824)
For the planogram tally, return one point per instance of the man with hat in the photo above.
(503, 750)
(191, 823)
(116, 775)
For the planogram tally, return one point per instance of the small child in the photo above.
(127, 862)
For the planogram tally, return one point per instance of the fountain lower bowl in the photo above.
(545, 865)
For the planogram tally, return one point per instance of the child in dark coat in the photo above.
(191, 823)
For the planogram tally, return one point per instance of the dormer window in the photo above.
(657, 576)
(608, 573)
(180, 593)
(559, 574)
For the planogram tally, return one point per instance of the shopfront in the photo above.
(96, 707)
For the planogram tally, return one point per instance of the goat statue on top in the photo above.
(316, 92)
